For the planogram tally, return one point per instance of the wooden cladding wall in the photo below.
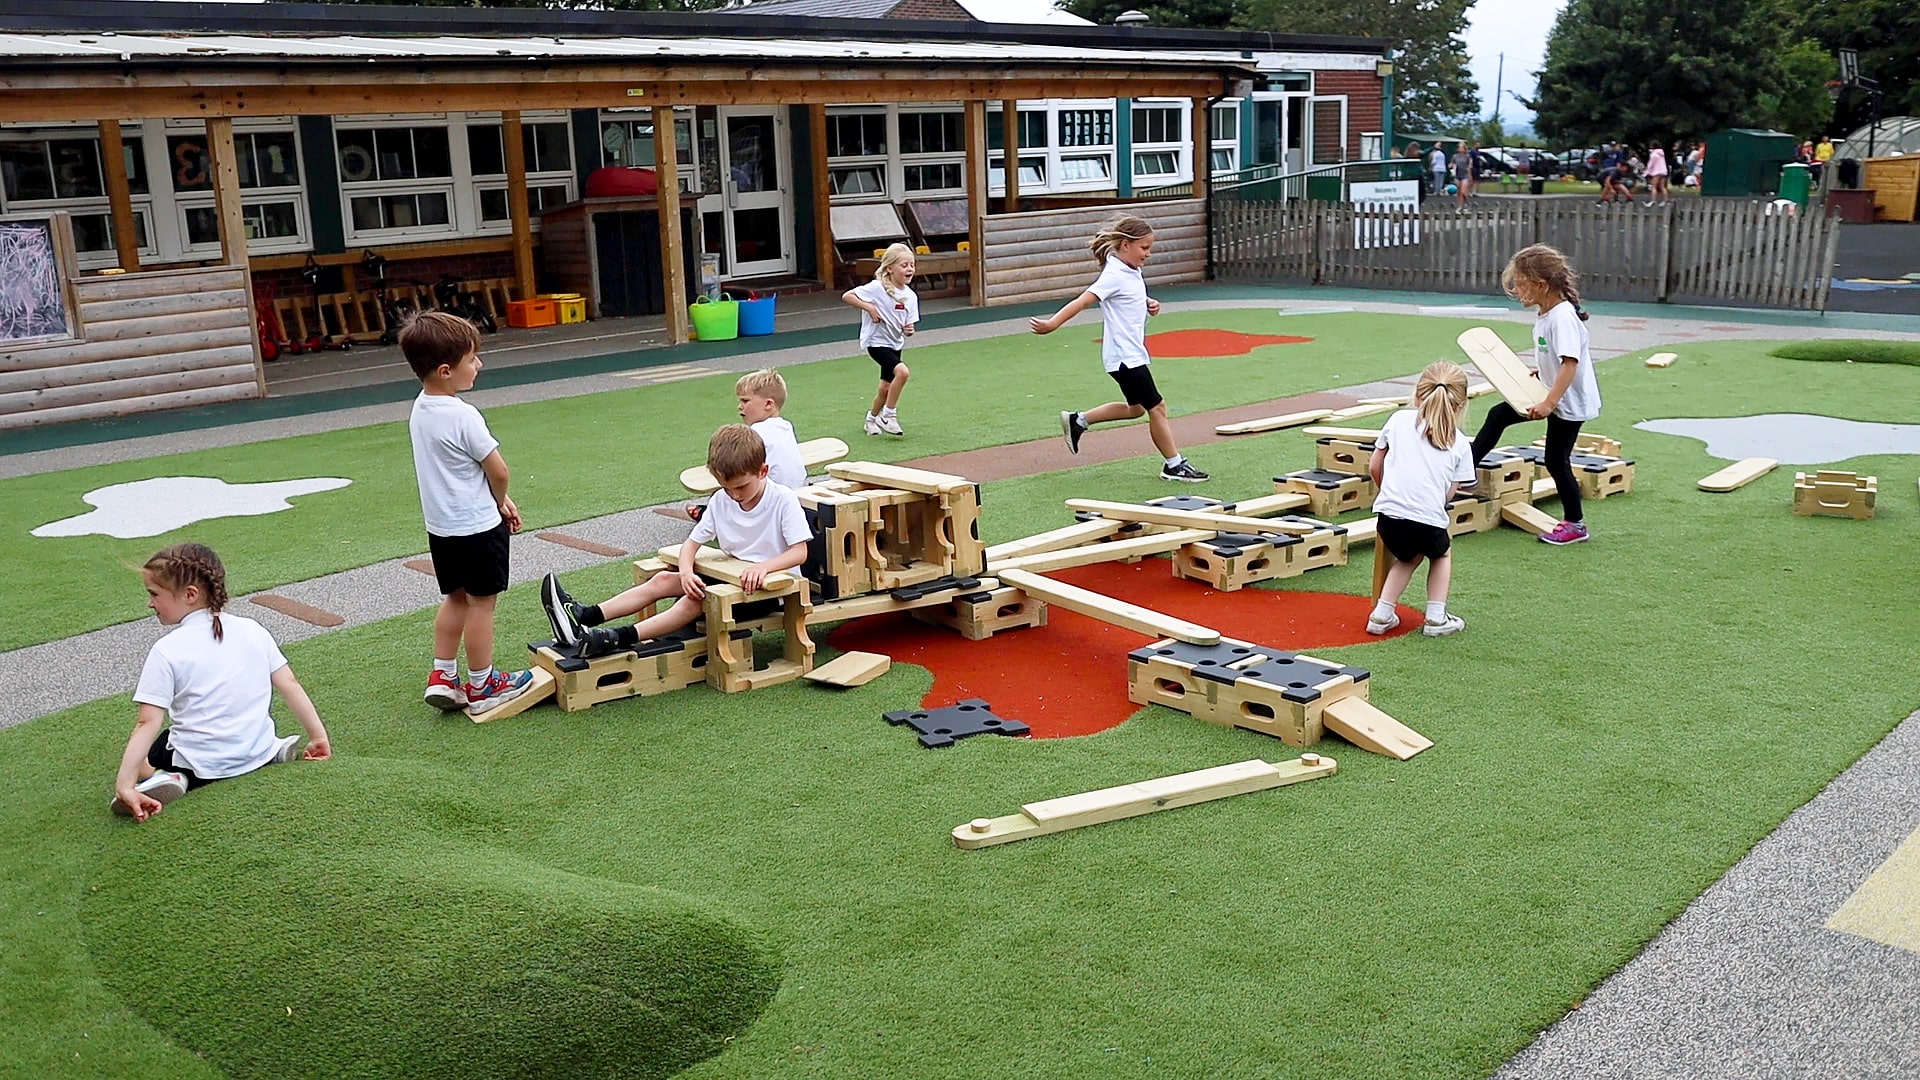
(1043, 255)
(149, 341)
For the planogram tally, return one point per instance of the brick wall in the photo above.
(930, 9)
(1362, 91)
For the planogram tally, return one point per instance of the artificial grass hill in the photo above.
(1620, 722)
(583, 456)
(1851, 351)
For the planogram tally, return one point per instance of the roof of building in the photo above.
(1027, 12)
(843, 9)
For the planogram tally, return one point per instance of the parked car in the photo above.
(1581, 164)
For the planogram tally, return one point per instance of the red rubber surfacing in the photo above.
(1070, 676)
(1187, 344)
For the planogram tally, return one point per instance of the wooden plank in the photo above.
(542, 688)
(824, 256)
(974, 127)
(1528, 517)
(113, 158)
(1106, 609)
(1273, 423)
(1010, 143)
(127, 406)
(512, 136)
(1186, 519)
(709, 562)
(1109, 551)
(1080, 532)
(898, 476)
(1739, 474)
(98, 312)
(157, 283)
(1358, 434)
(850, 669)
(673, 239)
(1355, 412)
(222, 318)
(859, 607)
(224, 165)
(1502, 368)
(1364, 531)
(813, 454)
(1146, 797)
(1662, 359)
(1356, 720)
(14, 379)
(125, 389)
(1268, 505)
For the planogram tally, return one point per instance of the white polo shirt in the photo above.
(1560, 333)
(1418, 474)
(784, 464)
(775, 524)
(450, 440)
(896, 313)
(1122, 293)
(215, 693)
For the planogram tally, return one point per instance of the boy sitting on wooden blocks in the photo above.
(758, 522)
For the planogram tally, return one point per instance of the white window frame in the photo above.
(87, 205)
(462, 200)
(185, 201)
(882, 164)
(1064, 159)
(689, 170)
(1224, 137)
(1172, 143)
(905, 161)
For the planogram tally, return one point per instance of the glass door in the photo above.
(751, 202)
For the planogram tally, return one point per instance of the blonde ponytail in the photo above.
(1440, 397)
(1120, 229)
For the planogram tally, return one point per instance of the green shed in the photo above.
(1745, 161)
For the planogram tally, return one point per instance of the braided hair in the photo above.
(1547, 265)
(184, 565)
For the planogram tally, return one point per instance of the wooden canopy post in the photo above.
(673, 242)
(1010, 145)
(976, 131)
(511, 136)
(113, 158)
(822, 194)
(223, 165)
(1202, 146)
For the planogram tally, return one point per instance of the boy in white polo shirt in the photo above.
(762, 394)
(463, 496)
(753, 519)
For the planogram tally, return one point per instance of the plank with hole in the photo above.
(1739, 474)
(813, 454)
(1507, 372)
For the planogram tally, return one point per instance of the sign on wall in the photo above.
(1386, 196)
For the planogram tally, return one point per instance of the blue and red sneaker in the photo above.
(499, 688)
(445, 692)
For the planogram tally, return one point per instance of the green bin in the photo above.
(1795, 182)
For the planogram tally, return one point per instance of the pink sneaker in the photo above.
(1567, 532)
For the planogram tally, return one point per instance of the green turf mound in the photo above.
(330, 921)
(1852, 350)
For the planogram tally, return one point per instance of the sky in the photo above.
(1519, 29)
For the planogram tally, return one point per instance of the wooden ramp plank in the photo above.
(1080, 532)
(1108, 551)
(813, 454)
(898, 477)
(540, 689)
(851, 669)
(1106, 609)
(1357, 721)
(1529, 517)
(1364, 531)
(1503, 369)
(1273, 423)
(1358, 434)
(1661, 359)
(1268, 505)
(1145, 797)
(1355, 412)
(1187, 519)
(1739, 474)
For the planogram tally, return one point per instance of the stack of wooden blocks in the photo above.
(1828, 493)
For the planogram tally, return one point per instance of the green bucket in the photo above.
(715, 320)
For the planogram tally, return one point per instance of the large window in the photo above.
(1033, 129)
(857, 161)
(1158, 124)
(933, 152)
(1160, 150)
(396, 180)
(60, 168)
(548, 144)
(272, 202)
(1086, 127)
(1223, 129)
(627, 139)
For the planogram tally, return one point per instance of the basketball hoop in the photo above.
(1835, 88)
(1849, 65)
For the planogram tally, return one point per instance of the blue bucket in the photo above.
(756, 316)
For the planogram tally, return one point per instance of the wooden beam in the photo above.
(1108, 610)
(512, 132)
(1358, 721)
(113, 157)
(898, 476)
(1202, 147)
(1188, 519)
(1080, 532)
(224, 165)
(673, 239)
(976, 131)
(1512, 377)
(1108, 551)
(1010, 146)
(822, 195)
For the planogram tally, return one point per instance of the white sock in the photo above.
(479, 678)
(888, 413)
(449, 668)
(1175, 460)
(873, 416)
(1436, 611)
(1382, 611)
(1080, 420)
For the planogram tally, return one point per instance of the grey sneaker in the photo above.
(1451, 624)
(162, 787)
(287, 749)
(1072, 427)
(1183, 472)
(563, 615)
(873, 424)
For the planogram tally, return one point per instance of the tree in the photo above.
(1656, 71)
(1184, 14)
(1433, 89)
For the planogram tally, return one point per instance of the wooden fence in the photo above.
(1702, 250)
(1042, 255)
(146, 341)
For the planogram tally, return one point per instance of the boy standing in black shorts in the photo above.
(463, 496)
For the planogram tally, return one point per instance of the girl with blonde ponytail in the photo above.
(213, 676)
(892, 308)
(1421, 459)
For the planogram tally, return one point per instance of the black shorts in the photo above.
(474, 564)
(1136, 385)
(888, 359)
(160, 756)
(1409, 540)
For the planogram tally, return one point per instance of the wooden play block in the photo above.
(978, 616)
(899, 477)
(1106, 609)
(1146, 797)
(1351, 456)
(1661, 359)
(540, 689)
(1529, 517)
(1273, 423)
(1507, 372)
(1830, 493)
(1739, 474)
(1589, 443)
(813, 453)
(851, 669)
(1357, 721)
(1329, 494)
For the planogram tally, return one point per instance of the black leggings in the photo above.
(1560, 436)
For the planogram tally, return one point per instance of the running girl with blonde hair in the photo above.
(1420, 460)
(1121, 249)
(892, 309)
(1541, 278)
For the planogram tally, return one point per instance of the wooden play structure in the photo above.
(1145, 797)
(1830, 493)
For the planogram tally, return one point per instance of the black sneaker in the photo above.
(598, 641)
(1183, 472)
(562, 613)
(1073, 427)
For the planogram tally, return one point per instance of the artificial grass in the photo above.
(1850, 350)
(580, 457)
(1620, 723)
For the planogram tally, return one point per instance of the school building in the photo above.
(241, 150)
